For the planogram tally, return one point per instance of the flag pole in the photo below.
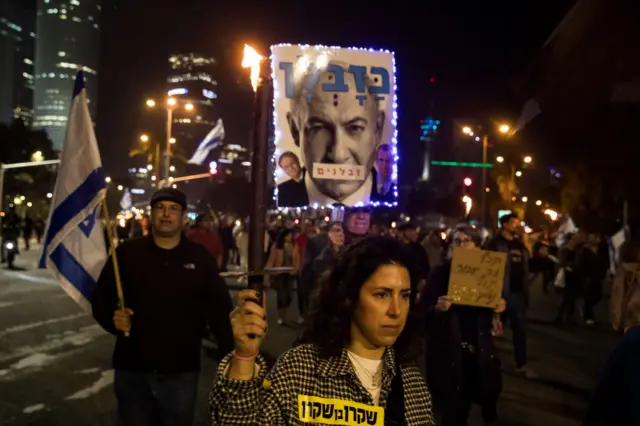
(114, 257)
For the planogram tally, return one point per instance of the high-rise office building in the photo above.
(17, 40)
(192, 80)
(69, 39)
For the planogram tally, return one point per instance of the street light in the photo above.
(107, 179)
(504, 128)
(144, 138)
(172, 168)
(172, 140)
(538, 203)
(525, 199)
(189, 107)
(151, 103)
(37, 156)
(466, 130)
(149, 167)
(500, 159)
(528, 159)
(171, 102)
(467, 181)
(49, 195)
(29, 204)
(518, 173)
(120, 187)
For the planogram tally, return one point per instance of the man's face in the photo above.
(411, 235)
(359, 223)
(290, 167)
(385, 164)
(513, 225)
(383, 307)
(167, 218)
(338, 130)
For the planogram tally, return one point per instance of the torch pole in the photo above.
(259, 167)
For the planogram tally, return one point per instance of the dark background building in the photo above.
(69, 38)
(17, 41)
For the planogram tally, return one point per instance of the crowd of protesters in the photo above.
(370, 299)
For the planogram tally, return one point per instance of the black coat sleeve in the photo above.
(437, 285)
(104, 300)
(218, 307)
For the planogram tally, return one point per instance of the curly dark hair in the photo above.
(328, 324)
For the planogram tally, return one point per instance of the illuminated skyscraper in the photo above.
(17, 40)
(191, 80)
(69, 38)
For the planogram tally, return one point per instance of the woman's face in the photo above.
(383, 307)
(460, 239)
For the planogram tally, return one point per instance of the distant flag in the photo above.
(530, 110)
(74, 245)
(215, 136)
(125, 202)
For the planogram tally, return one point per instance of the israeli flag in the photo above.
(215, 136)
(74, 245)
(125, 202)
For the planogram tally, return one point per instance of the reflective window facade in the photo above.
(17, 43)
(69, 38)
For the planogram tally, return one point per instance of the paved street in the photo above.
(55, 361)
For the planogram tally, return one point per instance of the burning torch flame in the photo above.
(252, 59)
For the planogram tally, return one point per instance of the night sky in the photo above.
(474, 51)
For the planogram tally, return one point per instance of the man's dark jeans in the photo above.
(150, 399)
(515, 314)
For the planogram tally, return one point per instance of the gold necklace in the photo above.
(376, 377)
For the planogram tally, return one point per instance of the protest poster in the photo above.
(476, 277)
(335, 126)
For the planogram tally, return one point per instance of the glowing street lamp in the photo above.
(504, 128)
(468, 203)
(49, 195)
(538, 203)
(467, 181)
(107, 179)
(172, 140)
(171, 102)
(466, 130)
(525, 199)
(189, 107)
(500, 159)
(172, 168)
(151, 103)
(144, 138)
(120, 187)
(518, 173)
(528, 159)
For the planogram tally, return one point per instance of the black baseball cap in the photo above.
(169, 194)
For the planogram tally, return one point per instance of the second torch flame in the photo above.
(252, 59)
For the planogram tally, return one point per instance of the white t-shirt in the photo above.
(371, 366)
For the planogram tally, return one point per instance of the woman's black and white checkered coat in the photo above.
(300, 371)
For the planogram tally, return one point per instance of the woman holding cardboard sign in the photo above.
(357, 361)
(460, 355)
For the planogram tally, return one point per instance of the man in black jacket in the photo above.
(172, 289)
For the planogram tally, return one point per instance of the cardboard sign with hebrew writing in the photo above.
(476, 277)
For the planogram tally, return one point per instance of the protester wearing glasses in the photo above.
(460, 360)
(172, 290)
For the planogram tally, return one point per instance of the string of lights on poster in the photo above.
(335, 124)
